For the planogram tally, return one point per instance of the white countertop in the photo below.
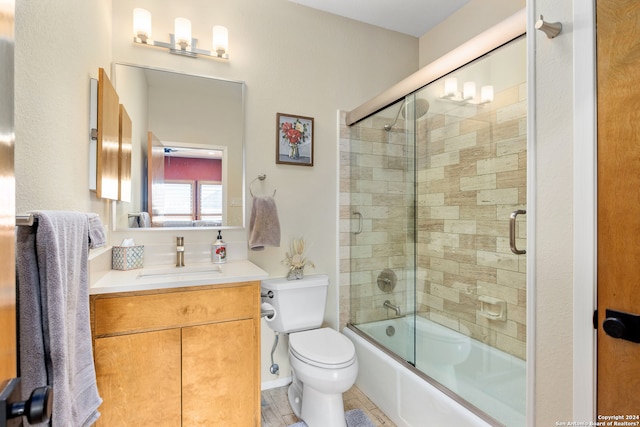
(191, 275)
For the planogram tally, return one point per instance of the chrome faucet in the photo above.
(387, 304)
(180, 252)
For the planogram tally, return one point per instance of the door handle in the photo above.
(512, 231)
(37, 409)
(359, 222)
(622, 325)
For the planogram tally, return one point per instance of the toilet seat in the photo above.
(324, 348)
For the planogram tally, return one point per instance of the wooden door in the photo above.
(618, 53)
(155, 180)
(8, 355)
(139, 379)
(220, 377)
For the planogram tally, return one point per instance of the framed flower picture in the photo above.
(294, 140)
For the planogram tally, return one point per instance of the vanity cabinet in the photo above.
(179, 357)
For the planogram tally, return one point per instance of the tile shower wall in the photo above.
(376, 179)
(471, 175)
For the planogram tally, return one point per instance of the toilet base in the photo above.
(316, 409)
(294, 392)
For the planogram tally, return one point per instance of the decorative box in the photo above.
(127, 257)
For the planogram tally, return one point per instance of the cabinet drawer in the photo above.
(115, 315)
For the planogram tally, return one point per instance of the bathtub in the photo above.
(483, 386)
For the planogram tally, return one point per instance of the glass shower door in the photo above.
(472, 170)
(382, 246)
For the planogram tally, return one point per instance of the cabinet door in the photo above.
(139, 379)
(220, 382)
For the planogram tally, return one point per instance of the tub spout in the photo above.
(387, 304)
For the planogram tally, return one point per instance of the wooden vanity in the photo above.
(183, 356)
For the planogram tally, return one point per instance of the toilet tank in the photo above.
(299, 304)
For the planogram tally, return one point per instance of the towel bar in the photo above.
(25, 219)
(261, 177)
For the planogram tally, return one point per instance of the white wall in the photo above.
(293, 59)
(59, 46)
(554, 216)
(470, 20)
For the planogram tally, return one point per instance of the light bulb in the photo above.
(469, 90)
(486, 94)
(450, 86)
(220, 40)
(142, 24)
(183, 32)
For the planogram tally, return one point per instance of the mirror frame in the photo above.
(114, 205)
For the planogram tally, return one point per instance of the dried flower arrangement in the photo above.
(296, 260)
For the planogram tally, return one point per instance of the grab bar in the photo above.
(359, 222)
(512, 232)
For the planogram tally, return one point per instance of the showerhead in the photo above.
(420, 107)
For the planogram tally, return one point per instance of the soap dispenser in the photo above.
(219, 250)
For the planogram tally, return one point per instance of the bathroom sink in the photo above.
(179, 271)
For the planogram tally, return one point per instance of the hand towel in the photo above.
(55, 333)
(96, 231)
(264, 226)
(144, 220)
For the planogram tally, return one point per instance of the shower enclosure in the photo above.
(437, 278)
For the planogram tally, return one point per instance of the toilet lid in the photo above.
(323, 347)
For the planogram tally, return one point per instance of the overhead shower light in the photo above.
(181, 42)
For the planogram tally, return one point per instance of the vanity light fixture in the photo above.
(181, 42)
(468, 94)
(486, 94)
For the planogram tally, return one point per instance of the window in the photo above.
(178, 199)
(180, 202)
(209, 200)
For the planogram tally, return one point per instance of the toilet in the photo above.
(323, 361)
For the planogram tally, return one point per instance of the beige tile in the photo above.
(459, 226)
(478, 182)
(461, 198)
(445, 212)
(445, 159)
(498, 164)
(444, 265)
(498, 260)
(445, 292)
(507, 196)
(460, 142)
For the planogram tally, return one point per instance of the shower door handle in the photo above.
(359, 222)
(512, 232)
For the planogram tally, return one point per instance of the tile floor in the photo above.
(276, 411)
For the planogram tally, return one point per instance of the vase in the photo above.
(293, 151)
(295, 273)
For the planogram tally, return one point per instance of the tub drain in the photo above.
(390, 331)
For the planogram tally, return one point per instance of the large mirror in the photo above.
(188, 149)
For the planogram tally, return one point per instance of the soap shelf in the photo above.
(493, 308)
